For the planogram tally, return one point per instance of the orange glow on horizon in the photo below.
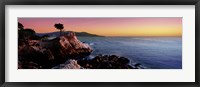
(109, 26)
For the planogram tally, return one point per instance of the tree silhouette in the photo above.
(27, 33)
(20, 26)
(59, 26)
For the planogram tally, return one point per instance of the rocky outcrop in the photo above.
(106, 62)
(49, 53)
(65, 52)
(68, 46)
(70, 64)
(36, 55)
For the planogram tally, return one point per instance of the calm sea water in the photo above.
(151, 52)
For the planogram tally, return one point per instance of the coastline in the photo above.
(66, 51)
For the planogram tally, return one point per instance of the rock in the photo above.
(63, 52)
(37, 55)
(70, 64)
(106, 62)
(50, 53)
(24, 64)
(67, 46)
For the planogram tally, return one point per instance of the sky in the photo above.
(166, 26)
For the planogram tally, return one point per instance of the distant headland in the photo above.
(57, 34)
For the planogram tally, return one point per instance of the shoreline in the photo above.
(99, 62)
(45, 54)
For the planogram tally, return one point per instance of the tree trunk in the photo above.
(60, 32)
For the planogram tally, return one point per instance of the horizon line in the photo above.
(116, 35)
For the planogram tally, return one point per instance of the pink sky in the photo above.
(109, 26)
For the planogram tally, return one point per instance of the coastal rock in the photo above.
(25, 64)
(50, 53)
(67, 46)
(106, 62)
(70, 64)
(35, 54)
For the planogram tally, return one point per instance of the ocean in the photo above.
(150, 52)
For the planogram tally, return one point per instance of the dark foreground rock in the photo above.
(106, 62)
(49, 53)
(70, 64)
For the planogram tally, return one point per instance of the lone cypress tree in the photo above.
(60, 27)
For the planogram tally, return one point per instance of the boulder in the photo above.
(70, 64)
(106, 62)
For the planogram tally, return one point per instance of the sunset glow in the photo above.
(109, 26)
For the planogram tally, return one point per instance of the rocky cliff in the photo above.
(49, 53)
(65, 52)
